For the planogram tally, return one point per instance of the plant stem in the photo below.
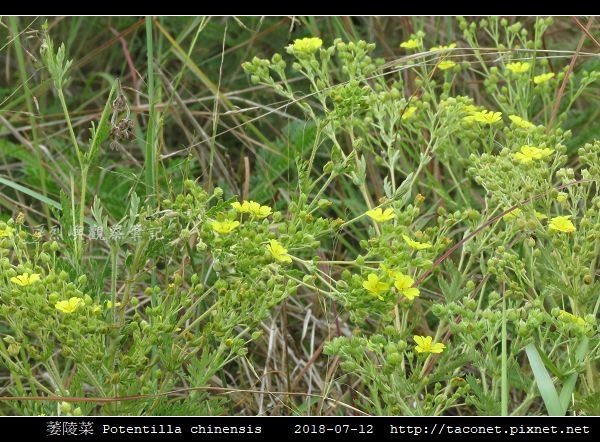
(84, 171)
(504, 368)
(63, 103)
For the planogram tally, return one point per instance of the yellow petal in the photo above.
(411, 293)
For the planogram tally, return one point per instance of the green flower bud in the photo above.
(65, 407)
(394, 359)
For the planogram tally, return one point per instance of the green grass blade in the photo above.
(150, 160)
(31, 193)
(567, 390)
(544, 382)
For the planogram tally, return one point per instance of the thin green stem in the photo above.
(504, 368)
(63, 104)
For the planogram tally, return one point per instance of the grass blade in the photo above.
(150, 159)
(31, 193)
(544, 382)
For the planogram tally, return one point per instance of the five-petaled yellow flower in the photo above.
(562, 224)
(425, 345)
(416, 244)
(518, 67)
(7, 231)
(25, 279)
(381, 215)
(413, 43)
(409, 112)
(257, 210)
(279, 252)
(224, 227)
(520, 122)
(308, 45)
(529, 153)
(446, 64)
(242, 207)
(253, 208)
(69, 306)
(484, 117)
(539, 79)
(404, 284)
(375, 286)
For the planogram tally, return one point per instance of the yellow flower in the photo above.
(425, 345)
(409, 112)
(443, 48)
(279, 252)
(529, 153)
(518, 67)
(561, 224)
(109, 304)
(569, 317)
(375, 286)
(308, 45)
(69, 306)
(484, 117)
(539, 79)
(380, 215)
(7, 231)
(257, 210)
(224, 227)
(96, 310)
(404, 284)
(252, 207)
(241, 208)
(416, 244)
(512, 215)
(520, 122)
(25, 279)
(446, 64)
(413, 43)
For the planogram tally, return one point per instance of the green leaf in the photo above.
(100, 133)
(544, 382)
(567, 390)
(31, 193)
